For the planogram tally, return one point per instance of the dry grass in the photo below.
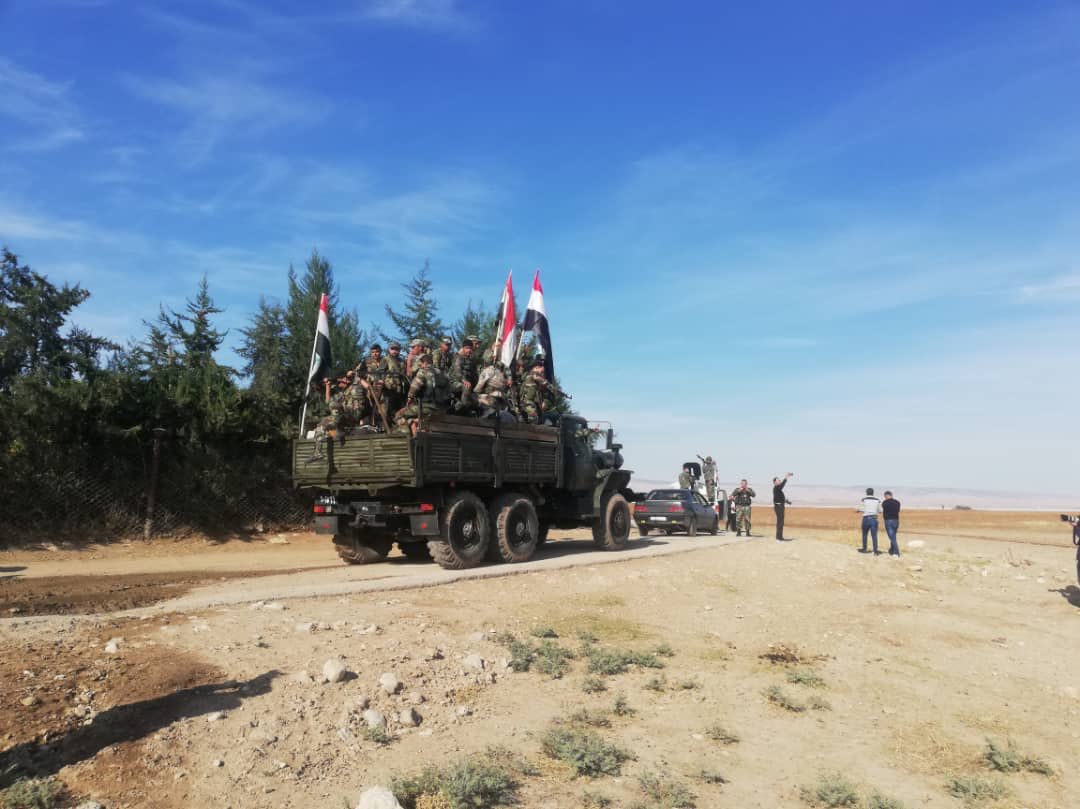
(602, 627)
(927, 749)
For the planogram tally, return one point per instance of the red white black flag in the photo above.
(321, 362)
(536, 321)
(506, 330)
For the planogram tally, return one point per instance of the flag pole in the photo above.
(307, 384)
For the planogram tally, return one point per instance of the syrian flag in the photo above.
(506, 330)
(536, 321)
(321, 362)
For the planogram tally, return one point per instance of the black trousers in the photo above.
(779, 509)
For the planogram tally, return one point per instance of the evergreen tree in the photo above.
(264, 347)
(475, 320)
(420, 317)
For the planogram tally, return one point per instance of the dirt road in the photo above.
(888, 674)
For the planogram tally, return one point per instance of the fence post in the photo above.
(151, 496)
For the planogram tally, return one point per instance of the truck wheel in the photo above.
(464, 530)
(362, 550)
(611, 529)
(691, 528)
(516, 529)
(415, 550)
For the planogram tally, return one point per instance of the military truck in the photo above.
(466, 490)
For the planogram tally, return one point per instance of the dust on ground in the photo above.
(819, 660)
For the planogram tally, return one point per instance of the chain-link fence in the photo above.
(110, 491)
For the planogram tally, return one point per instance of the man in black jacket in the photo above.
(779, 500)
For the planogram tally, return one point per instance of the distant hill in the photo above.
(823, 495)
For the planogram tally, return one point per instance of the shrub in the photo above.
(32, 793)
(718, 733)
(878, 801)
(585, 751)
(711, 777)
(552, 659)
(593, 685)
(777, 696)
(666, 793)
(805, 676)
(544, 632)
(832, 790)
(622, 707)
(1009, 759)
(617, 661)
(594, 800)
(378, 734)
(973, 789)
(465, 785)
(595, 719)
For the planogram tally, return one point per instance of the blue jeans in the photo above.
(890, 529)
(869, 524)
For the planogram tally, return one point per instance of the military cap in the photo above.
(538, 361)
(472, 338)
(394, 344)
(375, 346)
(416, 342)
(446, 339)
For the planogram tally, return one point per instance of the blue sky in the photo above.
(840, 239)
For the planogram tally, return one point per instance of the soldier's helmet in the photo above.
(394, 344)
(538, 361)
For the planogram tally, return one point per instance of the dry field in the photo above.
(754, 675)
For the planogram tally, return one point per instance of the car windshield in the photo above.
(667, 494)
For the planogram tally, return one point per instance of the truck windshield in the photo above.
(667, 494)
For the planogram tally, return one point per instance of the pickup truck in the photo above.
(669, 510)
(464, 490)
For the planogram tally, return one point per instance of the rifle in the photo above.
(377, 405)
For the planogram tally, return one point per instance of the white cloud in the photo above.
(43, 111)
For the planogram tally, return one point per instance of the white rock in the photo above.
(416, 698)
(389, 683)
(215, 716)
(373, 719)
(113, 645)
(29, 702)
(217, 762)
(409, 718)
(306, 627)
(474, 661)
(362, 703)
(89, 805)
(370, 629)
(464, 710)
(433, 654)
(278, 539)
(274, 605)
(334, 670)
(378, 798)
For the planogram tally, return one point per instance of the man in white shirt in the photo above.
(869, 507)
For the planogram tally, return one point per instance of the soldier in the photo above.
(372, 381)
(330, 424)
(444, 357)
(472, 338)
(686, 480)
(530, 399)
(355, 406)
(550, 393)
(416, 348)
(463, 378)
(708, 471)
(742, 498)
(395, 383)
(492, 388)
(421, 401)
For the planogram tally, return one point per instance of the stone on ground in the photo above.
(378, 798)
(334, 670)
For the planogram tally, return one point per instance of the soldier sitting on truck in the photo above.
(463, 379)
(422, 400)
(492, 389)
(394, 383)
(538, 397)
(334, 424)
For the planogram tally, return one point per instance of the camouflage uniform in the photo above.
(529, 400)
(464, 371)
(493, 387)
(422, 397)
(329, 425)
(741, 498)
(373, 371)
(685, 480)
(417, 348)
(708, 471)
(444, 360)
(394, 383)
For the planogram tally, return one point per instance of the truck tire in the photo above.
(417, 551)
(515, 528)
(464, 531)
(611, 529)
(363, 550)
